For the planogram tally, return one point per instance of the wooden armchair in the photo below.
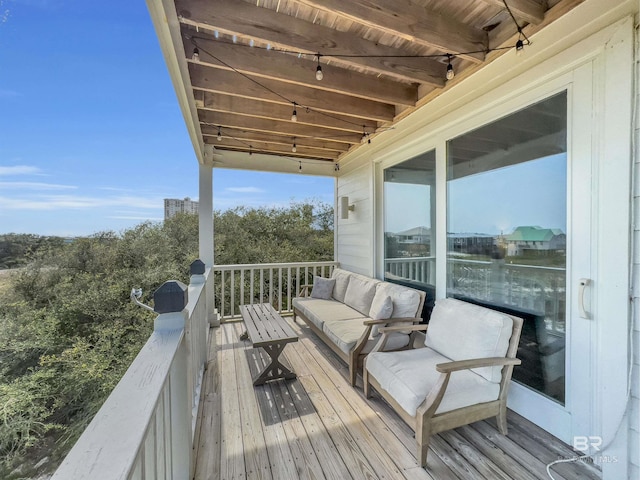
(456, 374)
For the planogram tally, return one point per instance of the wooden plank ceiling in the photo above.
(257, 61)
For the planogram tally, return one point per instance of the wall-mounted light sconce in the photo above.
(345, 208)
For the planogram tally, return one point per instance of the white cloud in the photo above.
(35, 186)
(245, 190)
(61, 202)
(142, 218)
(8, 93)
(19, 170)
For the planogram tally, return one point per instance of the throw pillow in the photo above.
(322, 287)
(381, 309)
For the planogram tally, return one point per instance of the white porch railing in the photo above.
(530, 287)
(417, 269)
(275, 283)
(145, 428)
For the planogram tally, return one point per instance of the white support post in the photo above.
(205, 231)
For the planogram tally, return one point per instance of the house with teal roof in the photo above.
(535, 238)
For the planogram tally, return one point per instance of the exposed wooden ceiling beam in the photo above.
(254, 108)
(265, 147)
(266, 64)
(528, 10)
(412, 22)
(249, 136)
(240, 18)
(273, 150)
(277, 127)
(231, 83)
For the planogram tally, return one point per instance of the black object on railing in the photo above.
(197, 267)
(172, 296)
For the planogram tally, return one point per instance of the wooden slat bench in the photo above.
(267, 329)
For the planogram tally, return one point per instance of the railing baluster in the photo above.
(252, 281)
(289, 307)
(233, 292)
(271, 286)
(280, 289)
(242, 300)
(222, 293)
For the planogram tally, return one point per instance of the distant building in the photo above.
(535, 238)
(173, 206)
(471, 243)
(420, 235)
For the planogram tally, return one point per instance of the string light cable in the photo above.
(450, 73)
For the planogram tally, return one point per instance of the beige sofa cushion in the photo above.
(360, 293)
(405, 300)
(463, 331)
(318, 310)
(408, 376)
(342, 281)
(346, 333)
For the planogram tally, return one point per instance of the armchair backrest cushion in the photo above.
(463, 331)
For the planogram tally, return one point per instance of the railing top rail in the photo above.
(408, 259)
(108, 447)
(249, 266)
(507, 265)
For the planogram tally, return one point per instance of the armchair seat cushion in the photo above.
(408, 376)
(318, 310)
(346, 333)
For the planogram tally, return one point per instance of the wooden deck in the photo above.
(317, 426)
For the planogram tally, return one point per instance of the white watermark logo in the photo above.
(584, 444)
(592, 444)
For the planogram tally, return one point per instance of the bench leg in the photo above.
(275, 369)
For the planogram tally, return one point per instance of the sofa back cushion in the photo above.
(406, 301)
(360, 293)
(342, 282)
(463, 331)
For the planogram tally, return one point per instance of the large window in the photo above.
(409, 224)
(506, 230)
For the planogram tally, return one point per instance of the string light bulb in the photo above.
(294, 115)
(450, 72)
(319, 74)
(196, 55)
(300, 166)
(519, 46)
(294, 149)
(219, 134)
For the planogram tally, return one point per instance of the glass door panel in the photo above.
(506, 231)
(409, 224)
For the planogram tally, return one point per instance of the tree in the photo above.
(68, 330)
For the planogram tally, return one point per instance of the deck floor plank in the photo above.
(318, 427)
(232, 464)
(355, 414)
(255, 453)
(208, 432)
(549, 450)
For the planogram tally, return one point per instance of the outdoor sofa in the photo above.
(347, 311)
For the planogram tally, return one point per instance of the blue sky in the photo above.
(496, 201)
(91, 135)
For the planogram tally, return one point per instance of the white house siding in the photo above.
(355, 235)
